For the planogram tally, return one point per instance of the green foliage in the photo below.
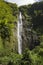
(11, 59)
(8, 23)
(32, 57)
(26, 59)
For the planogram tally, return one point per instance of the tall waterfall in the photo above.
(19, 30)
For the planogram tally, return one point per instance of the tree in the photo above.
(26, 59)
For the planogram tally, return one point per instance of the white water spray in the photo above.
(19, 30)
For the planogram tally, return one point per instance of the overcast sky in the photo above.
(22, 2)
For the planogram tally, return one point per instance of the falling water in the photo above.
(19, 28)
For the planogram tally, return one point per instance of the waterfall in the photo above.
(19, 31)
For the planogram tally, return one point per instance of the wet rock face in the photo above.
(29, 41)
(29, 38)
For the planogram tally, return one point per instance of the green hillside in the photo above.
(8, 22)
(33, 19)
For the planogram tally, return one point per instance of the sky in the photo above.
(22, 2)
